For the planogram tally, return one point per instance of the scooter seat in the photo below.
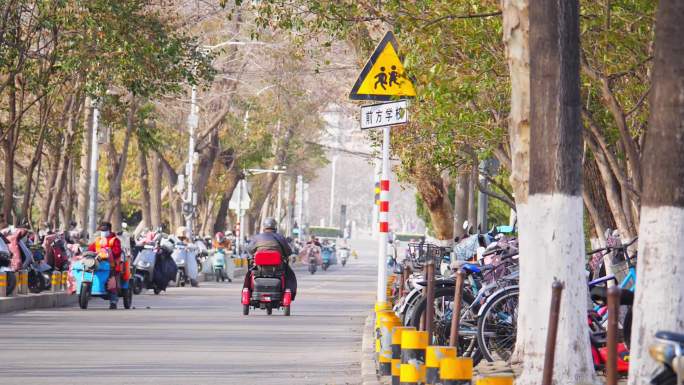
(670, 336)
(267, 258)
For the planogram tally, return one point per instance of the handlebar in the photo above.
(609, 248)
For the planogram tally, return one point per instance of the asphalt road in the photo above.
(199, 336)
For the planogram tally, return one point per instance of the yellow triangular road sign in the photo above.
(383, 78)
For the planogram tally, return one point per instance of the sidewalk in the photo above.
(36, 301)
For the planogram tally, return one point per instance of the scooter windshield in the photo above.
(145, 257)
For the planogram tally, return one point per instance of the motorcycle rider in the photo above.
(269, 239)
(220, 241)
(110, 242)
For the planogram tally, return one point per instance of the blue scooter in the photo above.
(328, 256)
(91, 274)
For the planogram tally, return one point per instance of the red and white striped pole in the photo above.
(383, 221)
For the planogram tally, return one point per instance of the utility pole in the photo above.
(94, 153)
(239, 218)
(300, 206)
(376, 199)
(279, 200)
(383, 217)
(332, 192)
(190, 200)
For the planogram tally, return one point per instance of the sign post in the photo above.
(383, 79)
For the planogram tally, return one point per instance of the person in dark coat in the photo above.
(269, 239)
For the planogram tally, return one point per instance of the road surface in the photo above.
(199, 336)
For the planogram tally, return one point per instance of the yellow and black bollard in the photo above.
(502, 379)
(380, 316)
(380, 306)
(65, 280)
(385, 354)
(22, 282)
(397, 332)
(433, 356)
(55, 281)
(413, 345)
(3, 284)
(456, 371)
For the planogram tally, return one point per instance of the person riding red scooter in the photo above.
(271, 282)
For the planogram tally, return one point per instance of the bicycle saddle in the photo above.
(670, 336)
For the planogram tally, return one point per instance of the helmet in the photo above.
(220, 236)
(270, 224)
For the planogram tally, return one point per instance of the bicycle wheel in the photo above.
(444, 306)
(497, 326)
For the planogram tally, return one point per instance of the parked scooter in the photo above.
(668, 350)
(185, 257)
(23, 259)
(153, 266)
(5, 258)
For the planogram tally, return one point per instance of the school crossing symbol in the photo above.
(383, 78)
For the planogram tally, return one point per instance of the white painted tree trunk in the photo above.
(516, 27)
(660, 292)
(554, 244)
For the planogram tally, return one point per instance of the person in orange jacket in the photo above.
(222, 242)
(111, 243)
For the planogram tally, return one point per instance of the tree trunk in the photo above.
(460, 202)
(662, 210)
(595, 201)
(551, 228)
(155, 192)
(612, 191)
(175, 200)
(64, 159)
(432, 190)
(232, 178)
(70, 190)
(117, 168)
(49, 189)
(35, 161)
(516, 26)
(144, 187)
(84, 171)
(8, 147)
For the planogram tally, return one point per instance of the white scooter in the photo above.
(185, 256)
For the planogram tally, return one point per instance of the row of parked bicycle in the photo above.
(489, 303)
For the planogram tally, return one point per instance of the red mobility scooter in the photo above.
(268, 284)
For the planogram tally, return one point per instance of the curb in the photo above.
(368, 368)
(36, 301)
(238, 273)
